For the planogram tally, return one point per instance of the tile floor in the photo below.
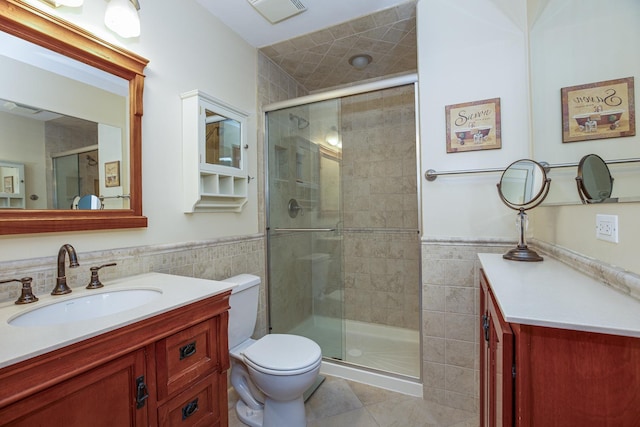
(342, 403)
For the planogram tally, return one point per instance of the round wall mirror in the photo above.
(523, 186)
(594, 180)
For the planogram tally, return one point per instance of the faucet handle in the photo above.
(27, 295)
(95, 280)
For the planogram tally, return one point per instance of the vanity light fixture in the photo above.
(122, 18)
(360, 62)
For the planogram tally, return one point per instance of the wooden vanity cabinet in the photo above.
(102, 397)
(496, 364)
(166, 370)
(534, 376)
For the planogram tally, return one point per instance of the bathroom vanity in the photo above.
(163, 363)
(557, 348)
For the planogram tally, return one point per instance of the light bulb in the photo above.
(122, 18)
(332, 137)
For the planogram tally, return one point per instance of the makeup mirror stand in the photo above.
(532, 193)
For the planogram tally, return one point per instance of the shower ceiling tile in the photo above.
(320, 60)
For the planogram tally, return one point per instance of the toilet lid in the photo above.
(282, 352)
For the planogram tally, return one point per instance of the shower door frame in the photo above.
(408, 79)
(54, 183)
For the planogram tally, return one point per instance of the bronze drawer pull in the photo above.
(142, 393)
(187, 350)
(189, 409)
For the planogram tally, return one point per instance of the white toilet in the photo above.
(272, 373)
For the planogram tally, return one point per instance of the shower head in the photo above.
(300, 121)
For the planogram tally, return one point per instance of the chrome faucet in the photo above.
(61, 282)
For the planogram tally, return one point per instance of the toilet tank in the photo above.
(244, 307)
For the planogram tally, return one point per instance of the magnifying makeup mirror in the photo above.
(594, 180)
(89, 201)
(523, 186)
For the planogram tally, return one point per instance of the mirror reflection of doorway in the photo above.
(75, 174)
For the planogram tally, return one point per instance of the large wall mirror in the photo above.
(575, 42)
(73, 122)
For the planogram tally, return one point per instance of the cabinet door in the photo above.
(574, 378)
(102, 397)
(497, 361)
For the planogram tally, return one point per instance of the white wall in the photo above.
(30, 152)
(574, 228)
(470, 50)
(188, 49)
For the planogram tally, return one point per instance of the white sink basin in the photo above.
(85, 307)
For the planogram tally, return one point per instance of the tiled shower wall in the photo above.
(275, 85)
(382, 278)
(291, 299)
(380, 203)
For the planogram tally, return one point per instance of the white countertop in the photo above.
(19, 343)
(550, 293)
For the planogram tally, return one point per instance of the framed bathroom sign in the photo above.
(473, 126)
(112, 174)
(598, 110)
(8, 184)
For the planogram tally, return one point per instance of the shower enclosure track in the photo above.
(304, 229)
(353, 230)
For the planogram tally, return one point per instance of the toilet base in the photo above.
(274, 414)
(250, 417)
(290, 414)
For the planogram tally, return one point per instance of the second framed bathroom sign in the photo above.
(598, 110)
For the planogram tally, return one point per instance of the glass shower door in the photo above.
(67, 180)
(304, 225)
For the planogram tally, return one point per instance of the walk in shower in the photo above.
(343, 225)
(75, 174)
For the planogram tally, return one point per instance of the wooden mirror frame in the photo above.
(36, 26)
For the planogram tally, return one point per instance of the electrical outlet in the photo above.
(607, 228)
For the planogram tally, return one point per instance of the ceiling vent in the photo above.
(278, 10)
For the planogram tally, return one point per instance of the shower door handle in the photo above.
(305, 229)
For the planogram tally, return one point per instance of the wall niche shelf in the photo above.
(214, 155)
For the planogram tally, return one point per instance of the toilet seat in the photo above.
(283, 354)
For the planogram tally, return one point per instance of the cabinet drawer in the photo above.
(187, 356)
(196, 406)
